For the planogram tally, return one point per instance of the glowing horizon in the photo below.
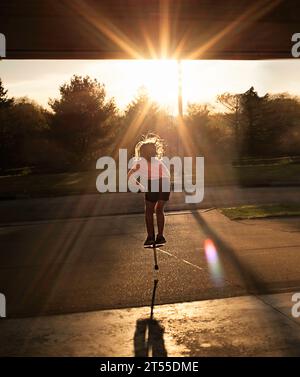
(202, 80)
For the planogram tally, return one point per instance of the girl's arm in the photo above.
(131, 172)
(165, 171)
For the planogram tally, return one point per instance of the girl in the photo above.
(151, 148)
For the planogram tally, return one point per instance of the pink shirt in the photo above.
(154, 170)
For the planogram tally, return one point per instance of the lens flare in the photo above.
(213, 262)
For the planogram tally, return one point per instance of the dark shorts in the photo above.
(155, 196)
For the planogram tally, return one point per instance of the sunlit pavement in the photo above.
(89, 264)
(240, 326)
(86, 265)
(50, 269)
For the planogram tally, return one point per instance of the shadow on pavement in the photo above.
(149, 334)
(148, 339)
(253, 286)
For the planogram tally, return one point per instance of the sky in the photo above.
(202, 80)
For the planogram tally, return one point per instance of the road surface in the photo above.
(77, 265)
(79, 206)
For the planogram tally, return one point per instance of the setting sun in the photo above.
(158, 77)
(202, 80)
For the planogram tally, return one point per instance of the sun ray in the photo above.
(103, 26)
(132, 131)
(164, 29)
(256, 11)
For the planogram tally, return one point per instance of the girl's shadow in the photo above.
(149, 334)
(148, 339)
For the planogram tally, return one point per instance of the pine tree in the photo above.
(4, 100)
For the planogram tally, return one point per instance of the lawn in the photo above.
(261, 211)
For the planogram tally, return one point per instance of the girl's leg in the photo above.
(160, 216)
(149, 212)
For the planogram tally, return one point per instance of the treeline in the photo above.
(84, 124)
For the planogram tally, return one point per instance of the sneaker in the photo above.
(150, 241)
(160, 240)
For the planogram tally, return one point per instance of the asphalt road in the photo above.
(79, 206)
(78, 265)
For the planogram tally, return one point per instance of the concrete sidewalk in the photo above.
(240, 326)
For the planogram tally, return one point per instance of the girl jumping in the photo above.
(157, 176)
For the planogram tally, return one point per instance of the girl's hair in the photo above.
(151, 145)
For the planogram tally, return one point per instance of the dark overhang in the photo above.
(130, 29)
